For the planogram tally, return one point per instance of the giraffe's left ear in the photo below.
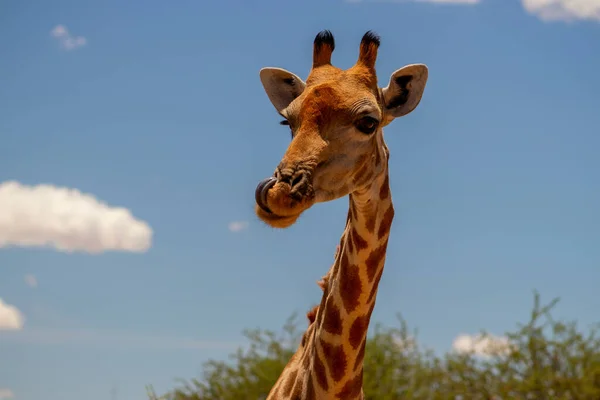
(404, 92)
(281, 86)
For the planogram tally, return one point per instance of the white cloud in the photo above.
(66, 40)
(31, 280)
(67, 220)
(481, 345)
(563, 10)
(10, 317)
(237, 226)
(6, 394)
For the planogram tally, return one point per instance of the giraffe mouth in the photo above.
(261, 193)
(279, 206)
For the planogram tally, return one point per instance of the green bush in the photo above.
(543, 360)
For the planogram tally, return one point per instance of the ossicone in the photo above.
(368, 49)
(324, 45)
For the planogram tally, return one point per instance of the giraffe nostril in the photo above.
(296, 181)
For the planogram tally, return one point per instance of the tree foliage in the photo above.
(543, 359)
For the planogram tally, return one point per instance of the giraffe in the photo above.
(336, 120)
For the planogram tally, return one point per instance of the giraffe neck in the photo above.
(350, 290)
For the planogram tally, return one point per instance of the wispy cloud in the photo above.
(448, 1)
(481, 345)
(66, 40)
(113, 339)
(563, 10)
(6, 394)
(237, 226)
(31, 280)
(67, 220)
(546, 10)
(458, 2)
(10, 317)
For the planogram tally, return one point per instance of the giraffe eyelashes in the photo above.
(287, 123)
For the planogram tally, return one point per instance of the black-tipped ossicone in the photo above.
(324, 45)
(325, 37)
(371, 38)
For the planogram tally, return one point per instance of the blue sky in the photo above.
(154, 114)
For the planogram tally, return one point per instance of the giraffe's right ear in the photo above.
(281, 86)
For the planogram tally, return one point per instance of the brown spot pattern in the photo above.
(297, 391)
(321, 306)
(360, 356)
(350, 242)
(310, 390)
(289, 383)
(332, 322)
(370, 224)
(319, 372)
(374, 260)
(359, 242)
(335, 357)
(384, 192)
(370, 311)
(350, 285)
(386, 222)
(352, 388)
(375, 285)
(357, 331)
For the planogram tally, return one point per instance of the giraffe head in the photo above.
(336, 120)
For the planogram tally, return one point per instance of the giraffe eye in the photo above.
(367, 125)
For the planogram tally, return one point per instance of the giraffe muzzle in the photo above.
(280, 199)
